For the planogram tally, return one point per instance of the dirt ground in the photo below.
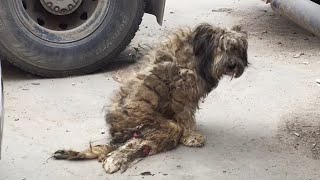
(264, 125)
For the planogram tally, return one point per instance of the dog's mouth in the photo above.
(234, 70)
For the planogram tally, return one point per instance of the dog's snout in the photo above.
(232, 66)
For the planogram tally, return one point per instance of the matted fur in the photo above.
(155, 110)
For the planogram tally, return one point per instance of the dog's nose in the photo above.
(232, 66)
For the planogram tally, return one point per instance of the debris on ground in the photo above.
(147, 173)
(36, 84)
(302, 132)
(305, 62)
(228, 10)
(102, 131)
(318, 82)
(264, 32)
(73, 84)
(297, 134)
(17, 119)
(298, 55)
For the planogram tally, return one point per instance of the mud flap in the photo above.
(156, 7)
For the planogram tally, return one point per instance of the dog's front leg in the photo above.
(190, 136)
(193, 139)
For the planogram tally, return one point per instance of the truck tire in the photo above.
(316, 1)
(57, 45)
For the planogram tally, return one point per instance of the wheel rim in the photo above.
(58, 22)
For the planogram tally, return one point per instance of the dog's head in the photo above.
(220, 51)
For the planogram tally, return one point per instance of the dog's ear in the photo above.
(202, 37)
(238, 28)
(204, 42)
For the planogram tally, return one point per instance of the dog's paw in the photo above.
(115, 162)
(65, 154)
(194, 140)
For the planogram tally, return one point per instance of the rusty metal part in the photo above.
(303, 12)
(61, 7)
(156, 7)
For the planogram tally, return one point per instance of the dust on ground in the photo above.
(301, 131)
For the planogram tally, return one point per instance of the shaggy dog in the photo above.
(155, 111)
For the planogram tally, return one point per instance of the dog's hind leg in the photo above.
(154, 141)
(95, 152)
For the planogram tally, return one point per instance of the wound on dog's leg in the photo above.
(125, 155)
(153, 142)
(98, 151)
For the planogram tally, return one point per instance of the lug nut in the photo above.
(63, 11)
(70, 6)
(49, 4)
(56, 8)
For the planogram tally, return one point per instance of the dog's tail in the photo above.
(99, 152)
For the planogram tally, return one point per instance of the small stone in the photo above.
(67, 131)
(165, 174)
(224, 171)
(16, 119)
(264, 32)
(147, 173)
(73, 84)
(305, 62)
(172, 12)
(318, 82)
(36, 84)
(298, 55)
(297, 134)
